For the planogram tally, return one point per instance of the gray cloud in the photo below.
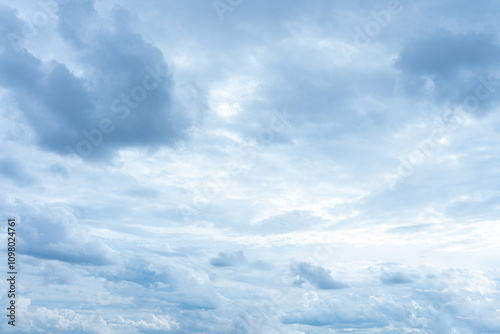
(449, 64)
(443, 54)
(316, 275)
(14, 171)
(395, 278)
(228, 259)
(53, 232)
(123, 99)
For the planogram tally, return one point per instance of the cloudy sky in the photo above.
(251, 166)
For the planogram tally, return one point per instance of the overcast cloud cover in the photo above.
(251, 166)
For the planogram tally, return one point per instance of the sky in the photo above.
(251, 166)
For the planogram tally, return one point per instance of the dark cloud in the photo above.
(136, 270)
(316, 275)
(395, 278)
(53, 232)
(228, 259)
(444, 54)
(122, 99)
(447, 66)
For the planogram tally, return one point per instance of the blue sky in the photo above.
(250, 166)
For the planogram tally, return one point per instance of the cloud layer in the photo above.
(252, 166)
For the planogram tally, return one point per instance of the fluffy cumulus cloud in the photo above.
(226, 260)
(53, 232)
(118, 90)
(316, 275)
(395, 278)
(251, 166)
